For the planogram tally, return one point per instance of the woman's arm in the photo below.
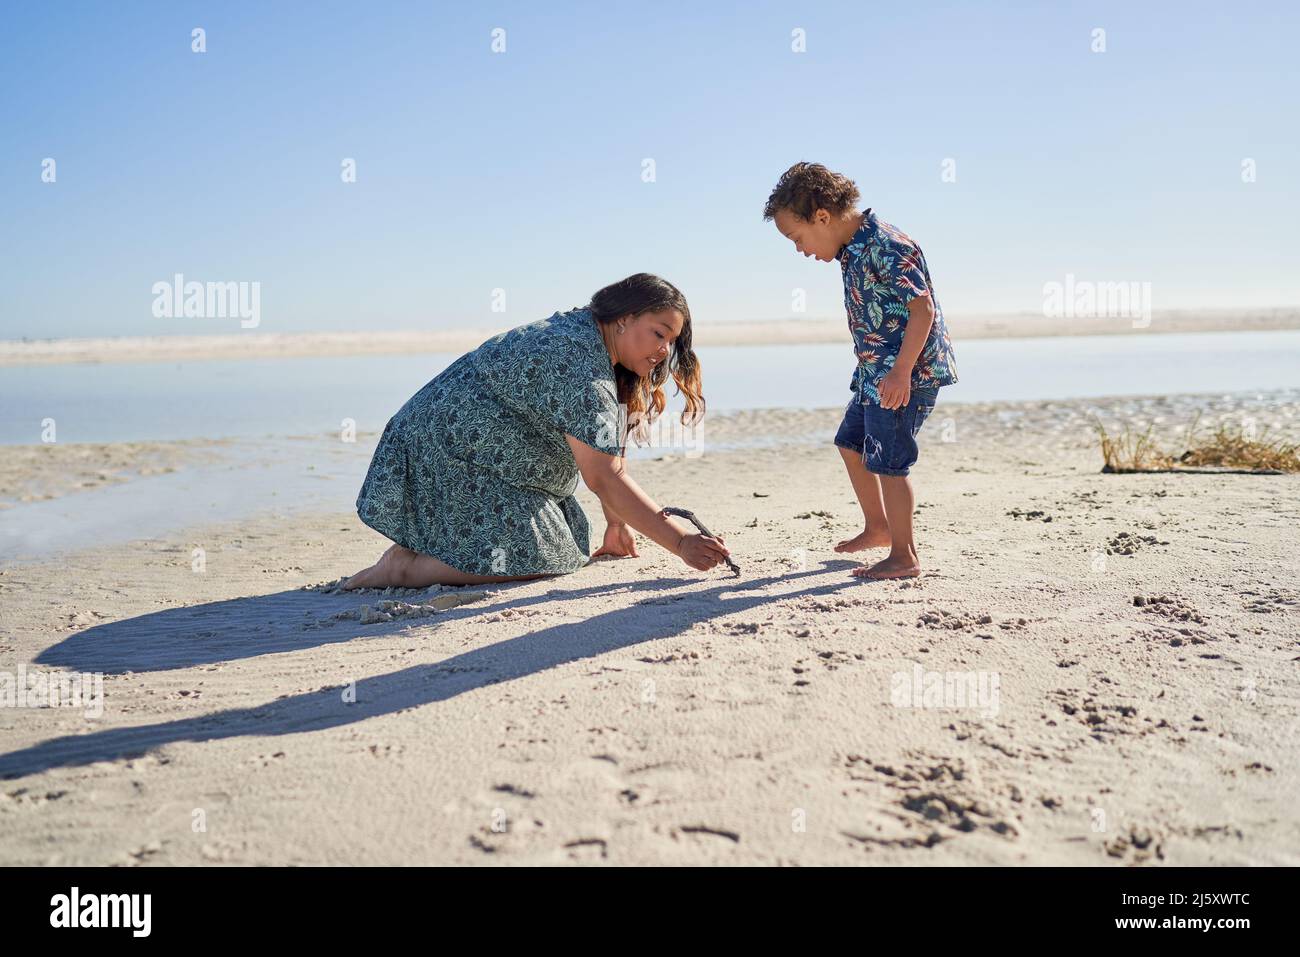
(606, 475)
(618, 540)
(611, 517)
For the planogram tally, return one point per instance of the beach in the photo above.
(253, 344)
(1092, 669)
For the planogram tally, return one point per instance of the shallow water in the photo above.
(240, 478)
(260, 397)
(260, 402)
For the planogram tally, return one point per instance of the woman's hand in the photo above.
(619, 542)
(623, 500)
(702, 551)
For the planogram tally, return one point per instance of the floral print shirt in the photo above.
(884, 270)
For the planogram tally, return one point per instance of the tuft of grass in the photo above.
(1131, 451)
(1227, 448)
(1233, 448)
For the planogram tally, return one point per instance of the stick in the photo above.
(690, 517)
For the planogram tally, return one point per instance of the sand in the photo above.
(1129, 642)
(800, 331)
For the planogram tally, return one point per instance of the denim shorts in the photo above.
(886, 438)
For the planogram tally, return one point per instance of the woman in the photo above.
(474, 477)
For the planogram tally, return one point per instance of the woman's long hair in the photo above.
(643, 396)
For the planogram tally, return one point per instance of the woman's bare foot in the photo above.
(399, 567)
(893, 566)
(385, 573)
(869, 538)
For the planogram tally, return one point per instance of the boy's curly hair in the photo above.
(807, 187)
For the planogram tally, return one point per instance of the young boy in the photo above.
(904, 353)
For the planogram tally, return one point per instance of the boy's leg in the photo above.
(891, 451)
(851, 441)
(902, 561)
(866, 486)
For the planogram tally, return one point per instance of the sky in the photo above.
(996, 134)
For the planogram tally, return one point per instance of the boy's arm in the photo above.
(896, 387)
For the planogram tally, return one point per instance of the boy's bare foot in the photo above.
(894, 566)
(870, 538)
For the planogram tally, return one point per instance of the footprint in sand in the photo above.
(1136, 845)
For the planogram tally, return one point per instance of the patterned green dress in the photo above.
(474, 469)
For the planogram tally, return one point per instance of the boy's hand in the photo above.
(895, 388)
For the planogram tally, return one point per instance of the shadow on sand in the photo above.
(218, 631)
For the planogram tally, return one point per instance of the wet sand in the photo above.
(34, 473)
